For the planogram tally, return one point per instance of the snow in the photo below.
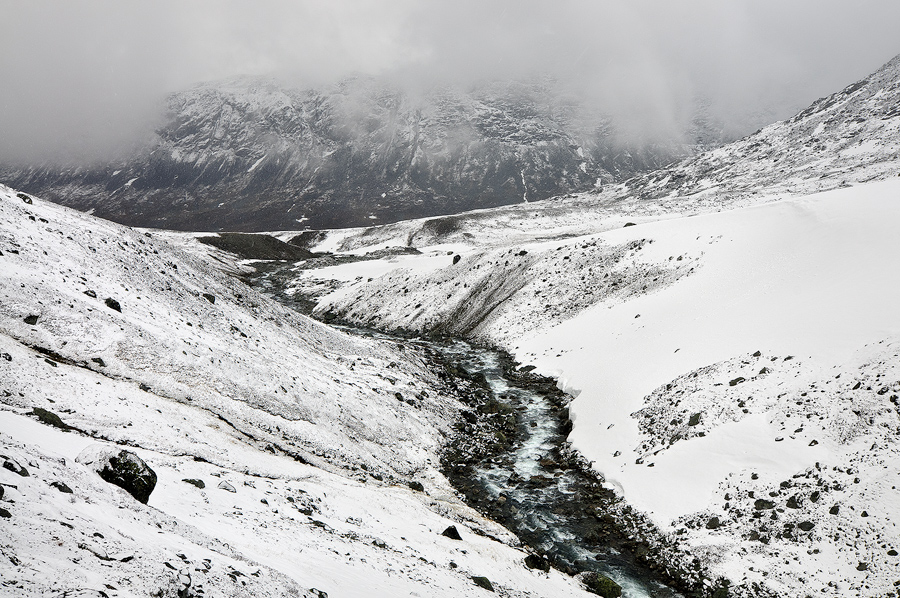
(240, 390)
(758, 320)
(257, 163)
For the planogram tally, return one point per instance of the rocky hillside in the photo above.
(249, 154)
(283, 458)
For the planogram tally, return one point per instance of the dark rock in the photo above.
(694, 420)
(4, 513)
(834, 510)
(61, 487)
(456, 258)
(91, 294)
(627, 224)
(257, 247)
(24, 198)
(713, 523)
(99, 361)
(533, 561)
(601, 585)
(757, 354)
(764, 371)
(806, 525)
(195, 482)
(521, 253)
(49, 418)
(793, 502)
(6, 356)
(10, 464)
(452, 533)
(209, 297)
(862, 566)
(31, 320)
(762, 504)
(483, 582)
(113, 304)
(121, 468)
(417, 486)
(736, 381)
(223, 485)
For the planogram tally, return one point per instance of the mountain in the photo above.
(250, 154)
(283, 460)
(847, 138)
(727, 325)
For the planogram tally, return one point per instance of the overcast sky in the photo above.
(84, 76)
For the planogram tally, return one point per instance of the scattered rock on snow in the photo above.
(534, 561)
(195, 482)
(121, 468)
(483, 582)
(13, 466)
(452, 533)
(223, 485)
(49, 418)
(113, 304)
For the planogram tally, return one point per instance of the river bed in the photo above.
(526, 477)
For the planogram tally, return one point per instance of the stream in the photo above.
(531, 482)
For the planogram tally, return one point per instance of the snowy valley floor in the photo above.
(736, 373)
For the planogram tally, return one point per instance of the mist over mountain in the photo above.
(252, 154)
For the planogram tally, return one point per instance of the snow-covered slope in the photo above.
(850, 137)
(718, 361)
(282, 452)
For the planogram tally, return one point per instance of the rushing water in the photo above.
(552, 507)
(555, 516)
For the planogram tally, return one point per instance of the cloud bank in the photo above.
(82, 80)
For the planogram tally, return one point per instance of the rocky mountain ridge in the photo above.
(250, 154)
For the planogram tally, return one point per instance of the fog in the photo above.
(83, 80)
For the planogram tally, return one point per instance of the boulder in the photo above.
(121, 468)
(452, 533)
(601, 585)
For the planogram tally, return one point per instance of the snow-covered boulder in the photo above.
(121, 468)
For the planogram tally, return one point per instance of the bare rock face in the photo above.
(121, 468)
(251, 154)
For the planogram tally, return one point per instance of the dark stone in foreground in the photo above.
(121, 468)
(49, 418)
(195, 482)
(452, 533)
(533, 561)
(31, 320)
(62, 487)
(601, 585)
(483, 582)
(113, 304)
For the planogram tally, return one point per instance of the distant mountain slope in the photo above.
(249, 154)
(849, 137)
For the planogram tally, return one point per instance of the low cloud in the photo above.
(82, 80)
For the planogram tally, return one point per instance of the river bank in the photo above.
(510, 459)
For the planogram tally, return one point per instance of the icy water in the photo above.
(554, 508)
(549, 506)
